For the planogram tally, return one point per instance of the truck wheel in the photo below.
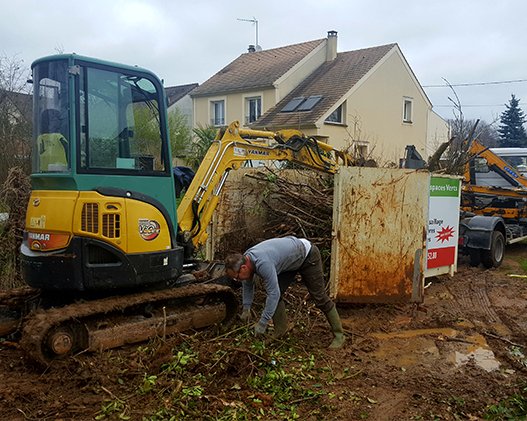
(494, 257)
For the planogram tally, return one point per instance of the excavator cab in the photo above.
(102, 213)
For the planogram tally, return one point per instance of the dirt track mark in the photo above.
(473, 301)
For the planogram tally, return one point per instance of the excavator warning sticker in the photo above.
(239, 151)
(148, 229)
(443, 222)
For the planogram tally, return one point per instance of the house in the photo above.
(368, 99)
(179, 97)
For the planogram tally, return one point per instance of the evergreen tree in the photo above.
(512, 132)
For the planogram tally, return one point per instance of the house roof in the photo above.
(175, 93)
(332, 80)
(256, 70)
(21, 101)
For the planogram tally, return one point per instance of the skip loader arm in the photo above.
(495, 163)
(233, 147)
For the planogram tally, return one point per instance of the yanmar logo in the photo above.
(38, 236)
(257, 152)
(148, 229)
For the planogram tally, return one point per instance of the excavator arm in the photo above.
(495, 163)
(509, 196)
(231, 149)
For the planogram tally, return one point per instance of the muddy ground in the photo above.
(461, 355)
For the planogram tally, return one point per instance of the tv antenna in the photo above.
(255, 21)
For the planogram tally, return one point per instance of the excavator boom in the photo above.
(231, 149)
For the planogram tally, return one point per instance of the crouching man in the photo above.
(277, 261)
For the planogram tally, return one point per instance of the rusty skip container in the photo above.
(380, 219)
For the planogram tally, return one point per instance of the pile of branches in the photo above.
(14, 196)
(299, 203)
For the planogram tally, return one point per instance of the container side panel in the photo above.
(379, 235)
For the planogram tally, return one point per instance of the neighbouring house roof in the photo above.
(256, 70)
(22, 102)
(175, 93)
(332, 80)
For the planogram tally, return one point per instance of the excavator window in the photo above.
(51, 117)
(121, 123)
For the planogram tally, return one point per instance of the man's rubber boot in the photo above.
(336, 327)
(280, 321)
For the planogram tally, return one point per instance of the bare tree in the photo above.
(452, 156)
(15, 116)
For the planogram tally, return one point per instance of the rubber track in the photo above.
(41, 321)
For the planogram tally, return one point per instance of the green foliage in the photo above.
(512, 132)
(149, 383)
(203, 137)
(179, 362)
(109, 408)
(523, 264)
(512, 408)
(180, 133)
(148, 137)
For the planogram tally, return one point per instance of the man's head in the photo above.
(238, 267)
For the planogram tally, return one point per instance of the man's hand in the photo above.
(246, 315)
(259, 328)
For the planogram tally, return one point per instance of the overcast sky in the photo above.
(188, 41)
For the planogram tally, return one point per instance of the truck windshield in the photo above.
(51, 143)
(120, 126)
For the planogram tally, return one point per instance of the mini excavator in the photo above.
(107, 252)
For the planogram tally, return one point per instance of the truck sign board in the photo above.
(443, 224)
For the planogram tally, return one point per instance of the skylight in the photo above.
(301, 103)
(309, 103)
(291, 105)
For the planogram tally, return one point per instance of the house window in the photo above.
(253, 109)
(217, 113)
(335, 116)
(407, 110)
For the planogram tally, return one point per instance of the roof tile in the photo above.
(331, 80)
(256, 70)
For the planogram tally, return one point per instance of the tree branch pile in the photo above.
(14, 196)
(300, 203)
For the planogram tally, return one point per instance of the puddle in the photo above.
(416, 332)
(412, 347)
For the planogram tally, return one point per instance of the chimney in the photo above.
(331, 46)
(251, 48)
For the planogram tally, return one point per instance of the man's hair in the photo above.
(234, 262)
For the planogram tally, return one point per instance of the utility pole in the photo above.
(255, 21)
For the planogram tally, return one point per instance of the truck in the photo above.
(493, 203)
(107, 253)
